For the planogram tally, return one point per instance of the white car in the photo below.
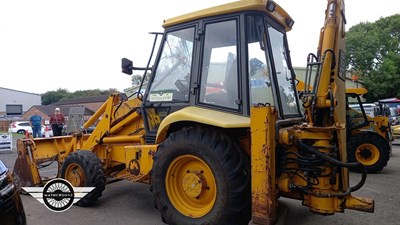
(20, 127)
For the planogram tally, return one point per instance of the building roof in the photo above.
(89, 99)
(8, 89)
(49, 109)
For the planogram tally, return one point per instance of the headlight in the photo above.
(6, 184)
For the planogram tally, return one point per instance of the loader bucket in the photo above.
(22, 172)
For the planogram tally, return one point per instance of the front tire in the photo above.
(201, 176)
(369, 149)
(84, 169)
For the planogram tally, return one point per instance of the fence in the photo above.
(4, 124)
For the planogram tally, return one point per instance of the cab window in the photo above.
(172, 76)
(219, 74)
(284, 75)
(258, 64)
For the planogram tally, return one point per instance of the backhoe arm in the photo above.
(318, 148)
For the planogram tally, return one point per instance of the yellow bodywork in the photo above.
(357, 91)
(396, 131)
(238, 6)
(263, 170)
(202, 116)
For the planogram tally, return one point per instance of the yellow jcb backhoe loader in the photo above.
(368, 139)
(218, 133)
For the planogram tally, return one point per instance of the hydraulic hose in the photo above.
(338, 163)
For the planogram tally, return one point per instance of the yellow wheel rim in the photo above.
(367, 154)
(75, 175)
(190, 186)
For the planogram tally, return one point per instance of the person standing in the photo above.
(36, 123)
(57, 122)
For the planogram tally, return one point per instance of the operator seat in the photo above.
(229, 97)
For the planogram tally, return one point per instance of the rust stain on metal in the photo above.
(152, 153)
(270, 195)
(22, 172)
(258, 205)
(264, 149)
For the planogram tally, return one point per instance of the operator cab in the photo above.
(356, 116)
(225, 62)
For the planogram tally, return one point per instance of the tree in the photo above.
(93, 92)
(55, 96)
(372, 52)
(137, 79)
(385, 81)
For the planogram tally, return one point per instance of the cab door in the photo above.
(169, 88)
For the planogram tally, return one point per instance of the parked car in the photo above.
(11, 209)
(20, 127)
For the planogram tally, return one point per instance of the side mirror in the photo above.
(127, 66)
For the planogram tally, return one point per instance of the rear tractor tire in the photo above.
(201, 176)
(371, 150)
(84, 169)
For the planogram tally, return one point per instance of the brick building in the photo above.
(92, 103)
(45, 111)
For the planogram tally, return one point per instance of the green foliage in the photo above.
(55, 96)
(373, 52)
(137, 79)
(385, 82)
(94, 92)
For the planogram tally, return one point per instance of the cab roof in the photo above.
(357, 91)
(238, 6)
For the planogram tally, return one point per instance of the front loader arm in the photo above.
(118, 123)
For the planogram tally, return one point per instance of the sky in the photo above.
(78, 44)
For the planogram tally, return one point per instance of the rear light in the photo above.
(12, 125)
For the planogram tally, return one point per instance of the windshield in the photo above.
(171, 81)
(284, 76)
